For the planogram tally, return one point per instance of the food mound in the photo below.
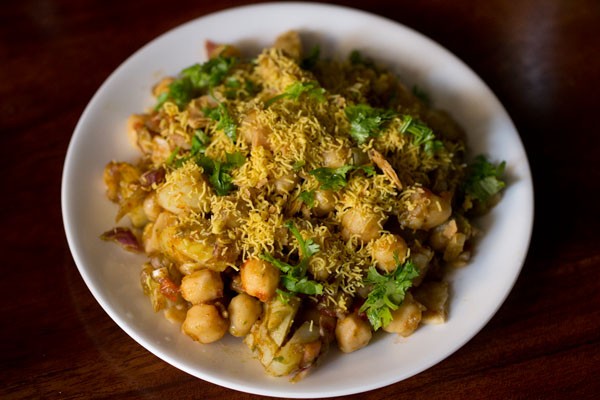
(297, 202)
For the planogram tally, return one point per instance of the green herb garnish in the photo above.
(484, 179)
(387, 293)
(421, 95)
(366, 121)
(297, 89)
(336, 178)
(171, 159)
(356, 58)
(200, 141)
(308, 198)
(209, 74)
(195, 80)
(421, 133)
(219, 173)
(297, 165)
(295, 279)
(225, 121)
(181, 91)
(311, 59)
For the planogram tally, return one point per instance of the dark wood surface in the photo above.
(541, 58)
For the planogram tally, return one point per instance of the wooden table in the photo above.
(541, 58)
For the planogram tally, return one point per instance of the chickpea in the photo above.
(202, 286)
(318, 266)
(388, 251)
(204, 323)
(325, 201)
(259, 278)
(441, 235)
(253, 132)
(352, 333)
(406, 318)
(448, 239)
(336, 157)
(243, 310)
(430, 210)
(363, 223)
(286, 183)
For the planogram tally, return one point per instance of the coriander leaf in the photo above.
(219, 172)
(227, 123)
(161, 99)
(221, 114)
(307, 247)
(284, 296)
(303, 285)
(356, 58)
(199, 142)
(181, 91)
(235, 160)
(421, 95)
(171, 159)
(369, 170)
(212, 113)
(232, 87)
(387, 293)
(297, 89)
(311, 59)
(308, 197)
(484, 179)
(211, 73)
(332, 178)
(207, 163)
(421, 133)
(366, 121)
(335, 178)
(295, 279)
(297, 166)
(250, 87)
(233, 83)
(221, 180)
(196, 79)
(281, 265)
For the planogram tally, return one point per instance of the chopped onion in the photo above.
(125, 237)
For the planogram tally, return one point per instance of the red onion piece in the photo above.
(125, 237)
(154, 176)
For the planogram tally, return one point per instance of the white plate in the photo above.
(112, 275)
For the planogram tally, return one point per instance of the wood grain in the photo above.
(542, 60)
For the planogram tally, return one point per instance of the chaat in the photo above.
(297, 202)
